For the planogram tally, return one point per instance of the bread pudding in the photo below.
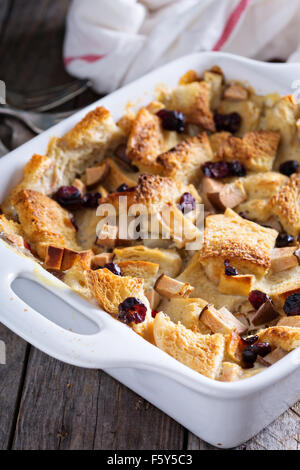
(181, 220)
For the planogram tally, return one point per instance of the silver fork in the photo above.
(37, 122)
(44, 100)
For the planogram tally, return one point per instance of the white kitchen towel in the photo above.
(112, 42)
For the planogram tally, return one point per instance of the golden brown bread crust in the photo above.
(110, 290)
(184, 161)
(44, 222)
(284, 337)
(256, 150)
(11, 231)
(286, 205)
(229, 236)
(142, 269)
(203, 353)
(145, 140)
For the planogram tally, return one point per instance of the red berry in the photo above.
(132, 310)
(250, 340)
(172, 120)
(292, 305)
(154, 313)
(68, 196)
(229, 270)
(227, 122)
(289, 167)
(284, 239)
(187, 203)
(114, 268)
(257, 298)
(90, 200)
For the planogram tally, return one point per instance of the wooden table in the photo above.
(44, 403)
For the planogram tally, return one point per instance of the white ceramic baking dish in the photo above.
(46, 313)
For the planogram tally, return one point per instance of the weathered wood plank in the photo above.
(64, 407)
(10, 382)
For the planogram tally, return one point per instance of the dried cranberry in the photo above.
(250, 340)
(283, 239)
(73, 222)
(261, 349)
(90, 200)
(27, 246)
(257, 298)
(227, 122)
(132, 310)
(229, 270)
(172, 120)
(187, 203)
(216, 170)
(249, 356)
(292, 305)
(122, 188)
(154, 313)
(236, 168)
(68, 196)
(114, 268)
(289, 167)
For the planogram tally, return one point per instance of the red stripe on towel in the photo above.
(231, 23)
(87, 58)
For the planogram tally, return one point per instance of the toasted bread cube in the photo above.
(285, 205)
(233, 350)
(284, 337)
(96, 174)
(54, 256)
(210, 185)
(236, 93)
(154, 298)
(102, 259)
(69, 258)
(293, 321)
(169, 287)
(141, 269)
(230, 372)
(283, 259)
(203, 353)
(231, 195)
(221, 321)
(240, 284)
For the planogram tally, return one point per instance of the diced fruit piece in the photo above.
(289, 167)
(172, 120)
(77, 183)
(283, 239)
(236, 93)
(132, 310)
(169, 287)
(273, 357)
(153, 297)
(221, 321)
(265, 314)
(257, 298)
(96, 174)
(292, 305)
(227, 122)
(283, 259)
(102, 259)
(229, 196)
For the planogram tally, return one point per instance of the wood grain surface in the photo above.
(44, 403)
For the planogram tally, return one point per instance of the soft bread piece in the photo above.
(11, 231)
(284, 337)
(293, 321)
(142, 269)
(44, 222)
(249, 110)
(37, 176)
(169, 261)
(193, 100)
(110, 290)
(195, 275)
(76, 279)
(217, 140)
(215, 80)
(187, 312)
(256, 150)
(203, 353)
(286, 205)
(279, 285)
(247, 244)
(184, 161)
